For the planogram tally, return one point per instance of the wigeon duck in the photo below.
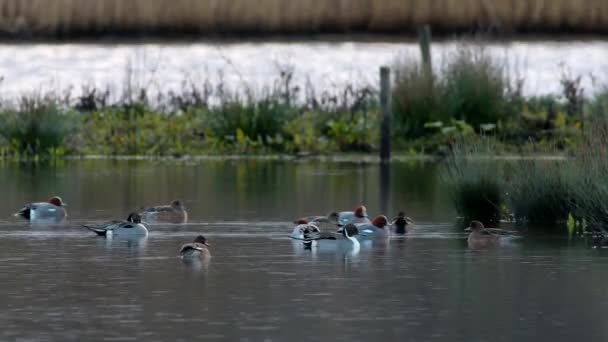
(481, 237)
(360, 215)
(51, 211)
(346, 239)
(132, 226)
(303, 227)
(402, 223)
(196, 249)
(378, 228)
(172, 213)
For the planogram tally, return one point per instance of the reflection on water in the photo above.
(64, 283)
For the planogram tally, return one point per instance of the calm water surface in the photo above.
(64, 284)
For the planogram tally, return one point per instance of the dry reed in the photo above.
(51, 17)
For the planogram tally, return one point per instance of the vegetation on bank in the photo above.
(544, 192)
(469, 97)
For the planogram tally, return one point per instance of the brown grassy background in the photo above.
(51, 17)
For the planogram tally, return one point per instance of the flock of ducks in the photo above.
(53, 211)
(345, 229)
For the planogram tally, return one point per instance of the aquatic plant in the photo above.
(476, 184)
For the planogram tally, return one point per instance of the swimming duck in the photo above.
(402, 223)
(378, 228)
(481, 237)
(132, 226)
(302, 228)
(198, 248)
(360, 215)
(172, 213)
(345, 239)
(51, 211)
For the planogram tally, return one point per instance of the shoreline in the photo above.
(333, 158)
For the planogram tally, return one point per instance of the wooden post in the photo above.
(385, 106)
(424, 40)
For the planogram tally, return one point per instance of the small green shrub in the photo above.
(476, 88)
(36, 128)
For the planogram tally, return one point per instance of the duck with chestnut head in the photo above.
(52, 211)
(377, 229)
(302, 228)
(199, 248)
(172, 213)
(360, 215)
(132, 226)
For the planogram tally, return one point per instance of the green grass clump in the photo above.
(471, 87)
(476, 185)
(36, 128)
(541, 191)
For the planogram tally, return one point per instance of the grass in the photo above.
(61, 18)
(476, 186)
(549, 193)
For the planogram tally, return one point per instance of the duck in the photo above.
(360, 215)
(346, 239)
(132, 226)
(51, 211)
(378, 228)
(172, 213)
(302, 228)
(481, 237)
(196, 249)
(402, 223)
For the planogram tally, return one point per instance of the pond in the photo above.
(64, 283)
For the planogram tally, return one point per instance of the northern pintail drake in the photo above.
(360, 215)
(172, 213)
(302, 228)
(481, 237)
(378, 228)
(345, 239)
(402, 223)
(196, 249)
(51, 211)
(132, 226)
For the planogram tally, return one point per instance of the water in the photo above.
(64, 284)
(328, 65)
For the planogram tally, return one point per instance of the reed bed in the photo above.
(66, 17)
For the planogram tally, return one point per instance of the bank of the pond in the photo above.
(470, 97)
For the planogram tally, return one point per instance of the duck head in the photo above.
(134, 218)
(202, 240)
(350, 230)
(380, 221)
(300, 221)
(361, 211)
(475, 226)
(177, 204)
(57, 201)
(334, 217)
